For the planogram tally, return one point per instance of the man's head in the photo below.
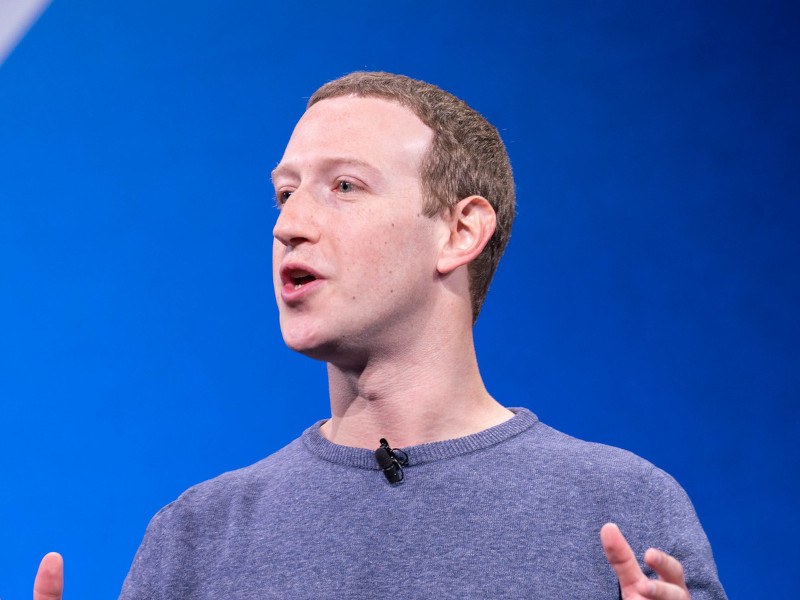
(466, 158)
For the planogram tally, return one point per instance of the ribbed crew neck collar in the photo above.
(362, 458)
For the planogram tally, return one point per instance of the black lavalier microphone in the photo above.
(391, 462)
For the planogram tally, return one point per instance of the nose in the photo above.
(297, 221)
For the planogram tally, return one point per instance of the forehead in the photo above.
(373, 130)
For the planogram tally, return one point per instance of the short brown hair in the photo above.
(466, 158)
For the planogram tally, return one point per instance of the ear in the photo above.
(471, 224)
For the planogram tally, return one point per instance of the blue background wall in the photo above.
(649, 297)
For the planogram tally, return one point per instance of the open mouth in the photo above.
(297, 278)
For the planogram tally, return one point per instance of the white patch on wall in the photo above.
(16, 17)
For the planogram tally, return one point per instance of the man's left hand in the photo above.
(634, 584)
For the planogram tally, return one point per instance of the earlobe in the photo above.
(471, 224)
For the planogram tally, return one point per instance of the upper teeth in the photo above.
(299, 277)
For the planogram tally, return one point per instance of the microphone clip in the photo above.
(391, 462)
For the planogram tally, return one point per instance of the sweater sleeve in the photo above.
(161, 568)
(675, 528)
(140, 582)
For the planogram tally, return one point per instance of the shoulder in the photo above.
(648, 503)
(610, 479)
(593, 460)
(233, 490)
(189, 532)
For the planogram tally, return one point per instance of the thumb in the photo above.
(49, 582)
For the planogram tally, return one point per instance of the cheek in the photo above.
(364, 260)
(394, 258)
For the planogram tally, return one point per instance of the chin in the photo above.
(303, 337)
(312, 350)
(322, 348)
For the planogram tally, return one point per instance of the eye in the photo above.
(282, 196)
(345, 186)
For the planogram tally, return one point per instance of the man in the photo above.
(396, 202)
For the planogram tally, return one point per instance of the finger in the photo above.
(49, 582)
(661, 590)
(668, 568)
(620, 556)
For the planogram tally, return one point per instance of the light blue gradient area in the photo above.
(16, 17)
(649, 298)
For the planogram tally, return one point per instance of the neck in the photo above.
(427, 393)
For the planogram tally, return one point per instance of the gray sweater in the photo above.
(511, 512)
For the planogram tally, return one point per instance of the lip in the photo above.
(292, 295)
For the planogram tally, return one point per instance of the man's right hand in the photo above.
(49, 583)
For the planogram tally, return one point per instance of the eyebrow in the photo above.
(329, 163)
